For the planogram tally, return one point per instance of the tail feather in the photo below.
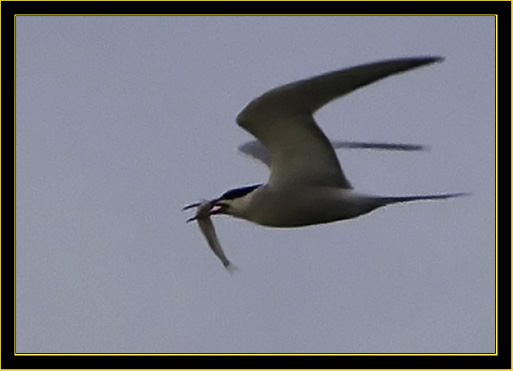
(393, 200)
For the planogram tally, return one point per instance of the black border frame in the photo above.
(502, 360)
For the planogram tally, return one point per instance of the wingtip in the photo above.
(232, 269)
(462, 194)
(425, 60)
(431, 59)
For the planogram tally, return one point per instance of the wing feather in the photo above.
(282, 120)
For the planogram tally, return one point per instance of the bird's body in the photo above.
(301, 205)
(306, 184)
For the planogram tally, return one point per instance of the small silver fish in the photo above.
(202, 216)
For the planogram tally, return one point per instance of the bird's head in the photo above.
(232, 202)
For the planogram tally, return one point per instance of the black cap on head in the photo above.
(238, 192)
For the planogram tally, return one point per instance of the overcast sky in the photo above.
(120, 121)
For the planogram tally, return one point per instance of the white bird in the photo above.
(306, 185)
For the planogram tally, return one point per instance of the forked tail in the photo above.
(393, 200)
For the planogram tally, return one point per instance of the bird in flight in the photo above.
(306, 185)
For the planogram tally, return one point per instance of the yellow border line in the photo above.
(272, 354)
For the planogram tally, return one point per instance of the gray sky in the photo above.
(123, 120)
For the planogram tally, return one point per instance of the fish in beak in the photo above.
(204, 210)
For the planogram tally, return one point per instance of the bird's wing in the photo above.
(383, 146)
(282, 120)
(256, 150)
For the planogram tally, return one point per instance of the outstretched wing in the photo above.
(256, 150)
(282, 120)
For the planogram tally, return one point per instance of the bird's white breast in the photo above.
(303, 205)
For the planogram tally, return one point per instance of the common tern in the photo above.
(306, 185)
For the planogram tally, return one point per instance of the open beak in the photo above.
(218, 207)
(206, 209)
